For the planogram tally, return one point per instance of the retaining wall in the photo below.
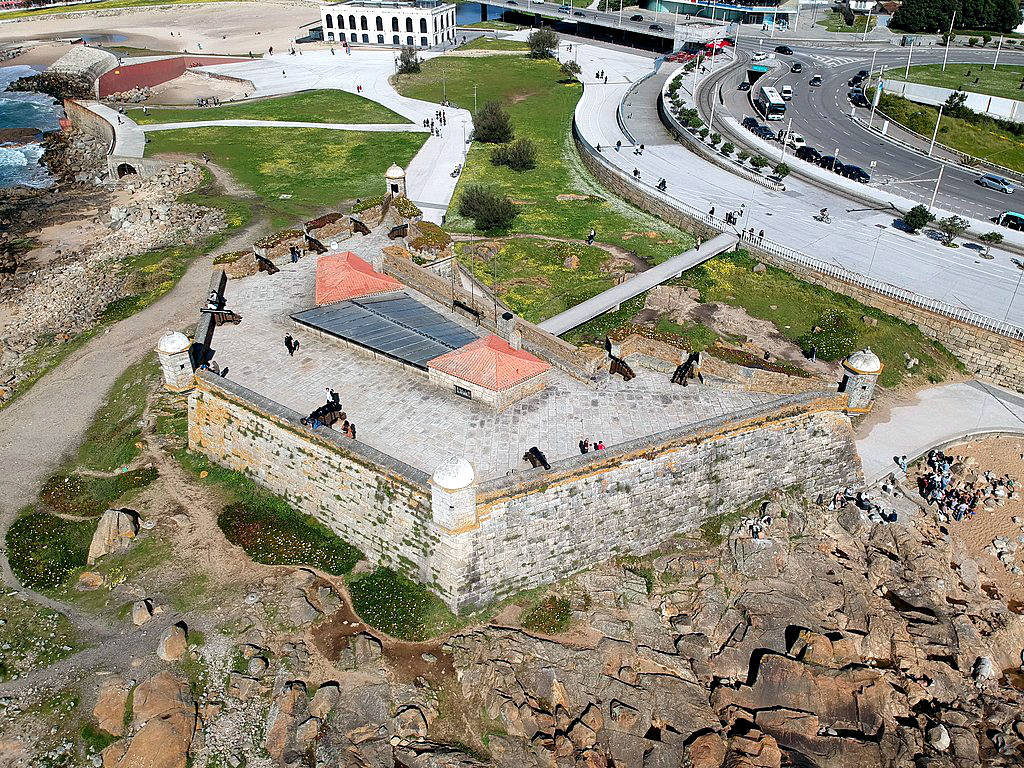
(86, 120)
(994, 106)
(152, 73)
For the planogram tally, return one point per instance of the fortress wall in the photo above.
(632, 503)
(86, 120)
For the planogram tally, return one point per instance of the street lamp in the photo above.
(881, 228)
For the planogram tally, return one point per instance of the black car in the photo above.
(862, 74)
(797, 67)
(764, 132)
(750, 123)
(816, 80)
(578, 13)
(856, 173)
(785, 50)
(855, 81)
(656, 28)
(744, 86)
(830, 163)
(860, 100)
(636, 17)
(810, 154)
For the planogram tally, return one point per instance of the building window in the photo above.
(435, 25)
(408, 26)
(409, 40)
(394, 23)
(380, 39)
(424, 43)
(354, 38)
(423, 26)
(330, 36)
(396, 40)
(366, 38)
(330, 21)
(463, 392)
(380, 24)
(362, 24)
(351, 22)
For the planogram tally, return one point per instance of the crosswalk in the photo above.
(836, 61)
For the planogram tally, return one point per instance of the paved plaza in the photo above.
(398, 412)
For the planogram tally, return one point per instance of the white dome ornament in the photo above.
(173, 350)
(394, 181)
(453, 495)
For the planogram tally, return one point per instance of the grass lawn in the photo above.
(834, 22)
(103, 5)
(493, 24)
(326, 106)
(44, 549)
(558, 197)
(314, 168)
(532, 278)
(1003, 81)
(487, 44)
(32, 637)
(985, 140)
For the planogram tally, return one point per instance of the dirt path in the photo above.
(614, 250)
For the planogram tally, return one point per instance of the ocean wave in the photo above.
(21, 156)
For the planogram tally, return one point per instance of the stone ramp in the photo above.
(613, 297)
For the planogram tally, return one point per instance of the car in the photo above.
(578, 13)
(565, 9)
(764, 132)
(810, 154)
(815, 81)
(830, 163)
(860, 100)
(785, 50)
(656, 28)
(792, 139)
(796, 67)
(862, 73)
(992, 181)
(856, 173)
(636, 17)
(744, 86)
(759, 56)
(855, 81)
(750, 123)
(786, 92)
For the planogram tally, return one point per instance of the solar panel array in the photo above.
(395, 325)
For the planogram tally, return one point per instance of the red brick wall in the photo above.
(150, 73)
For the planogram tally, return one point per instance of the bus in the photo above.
(1011, 220)
(770, 104)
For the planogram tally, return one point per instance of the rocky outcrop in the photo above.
(163, 723)
(173, 642)
(110, 705)
(115, 532)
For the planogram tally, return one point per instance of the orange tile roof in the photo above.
(344, 276)
(491, 363)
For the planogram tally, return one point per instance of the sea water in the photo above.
(19, 165)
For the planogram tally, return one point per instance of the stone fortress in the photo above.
(450, 393)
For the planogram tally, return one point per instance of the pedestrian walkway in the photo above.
(938, 415)
(129, 140)
(614, 296)
(382, 127)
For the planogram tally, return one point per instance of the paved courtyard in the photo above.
(398, 412)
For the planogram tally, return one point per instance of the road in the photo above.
(623, 21)
(822, 116)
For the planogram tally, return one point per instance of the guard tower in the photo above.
(395, 181)
(453, 494)
(860, 375)
(175, 361)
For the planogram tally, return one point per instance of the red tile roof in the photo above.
(491, 363)
(344, 276)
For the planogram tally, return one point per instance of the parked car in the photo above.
(992, 181)
(743, 86)
(792, 139)
(796, 67)
(785, 50)
(764, 132)
(750, 123)
(855, 81)
(830, 163)
(810, 154)
(656, 28)
(578, 13)
(856, 173)
(815, 81)
(859, 100)
(636, 17)
(863, 73)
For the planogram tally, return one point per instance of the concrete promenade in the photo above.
(649, 278)
(382, 127)
(938, 415)
(129, 140)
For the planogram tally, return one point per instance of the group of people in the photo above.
(864, 501)
(329, 414)
(440, 117)
(601, 75)
(586, 446)
(210, 101)
(956, 496)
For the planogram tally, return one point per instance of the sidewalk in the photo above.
(382, 127)
(129, 140)
(938, 415)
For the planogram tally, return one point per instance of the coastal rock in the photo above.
(114, 533)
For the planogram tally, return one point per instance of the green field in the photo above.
(1003, 81)
(489, 44)
(558, 197)
(306, 107)
(100, 6)
(315, 169)
(834, 22)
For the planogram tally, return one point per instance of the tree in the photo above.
(758, 162)
(847, 14)
(715, 139)
(951, 228)
(933, 16)
(728, 148)
(492, 124)
(571, 69)
(781, 170)
(488, 207)
(954, 106)
(986, 39)
(990, 239)
(520, 155)
(408, 61)
(972, 41)
(543, 43)
(917, 218)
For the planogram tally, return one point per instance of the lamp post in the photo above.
(910, 55)
(998, 48)
(935, 192)
(949, 37)
(867, 24)
(936, 131)
(1015, 289)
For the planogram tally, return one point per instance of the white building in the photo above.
(420, 23)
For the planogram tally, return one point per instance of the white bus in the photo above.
(770, 104)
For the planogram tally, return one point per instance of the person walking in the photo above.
(335, 397)
(698, 243)
(289, 344)
(591, 237)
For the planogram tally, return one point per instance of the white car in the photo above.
(759, 56)
(792, 139)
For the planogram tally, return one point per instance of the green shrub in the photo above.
(728, 148)
(74, 494)
(487, 206)
(758, 162)
(397, 605)
(44, 549)
(834, 336)
(550, 616)
(520, 155)
(781, 170)
(571, 69)
(542, 43)
(917, 218)
(492, 124)
(715, 139)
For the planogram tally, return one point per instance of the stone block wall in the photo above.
(86, 120)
